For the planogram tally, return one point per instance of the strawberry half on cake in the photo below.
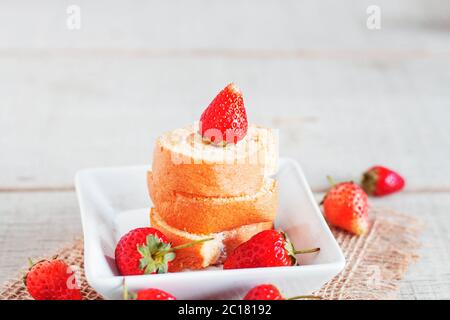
(225, 119)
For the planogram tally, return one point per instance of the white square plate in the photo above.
(115, 200)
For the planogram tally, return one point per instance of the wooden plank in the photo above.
(406, 25)
(34, 224)
(336, 117)
(429, 277)
(343, 97)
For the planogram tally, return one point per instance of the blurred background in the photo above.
(348, 83)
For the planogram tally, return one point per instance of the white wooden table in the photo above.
(344, 97)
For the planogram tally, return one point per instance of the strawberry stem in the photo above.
(190, 244)
(125, 290)
(126, 295)
(305, 297)
(306, 251)
(331, 181)
(30, 262)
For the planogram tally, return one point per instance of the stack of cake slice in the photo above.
(200, 190)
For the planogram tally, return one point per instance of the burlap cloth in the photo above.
(375, 262)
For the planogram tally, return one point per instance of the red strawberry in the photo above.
(264, 292)
(380, 181)
(52, 280)
(345, 206)
(140, 251)
(146, 251)
(225, 119)
(146, 294)
(154, 294)
(270, 292)
(268, 248)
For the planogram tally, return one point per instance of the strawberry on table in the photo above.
(148, 294)
(52, 280)
(270, 292)
(225, 119)
(264, 292)
(380, 181)
(154, 294)
(346, 206)
(146, 251)
(269, 248)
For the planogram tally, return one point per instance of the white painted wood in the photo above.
(429, 277)
(336, 117)
(32, 224)
(344, 97)
(35, 224)
(417, 25)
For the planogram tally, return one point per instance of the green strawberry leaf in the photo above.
(155, 254)
(289, 247)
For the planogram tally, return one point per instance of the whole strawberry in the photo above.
(154, 294)
(146, 251)
(269, 248)
(345, 206)
(52, 280)
(264, 292)
(270, 292)
(380, 181)
(143, 251)
(225, 119)
(148, 294)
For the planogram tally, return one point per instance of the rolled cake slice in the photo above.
(207, 253)
(214, 214)
(183, 162)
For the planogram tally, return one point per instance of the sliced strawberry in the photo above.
(225, 119)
